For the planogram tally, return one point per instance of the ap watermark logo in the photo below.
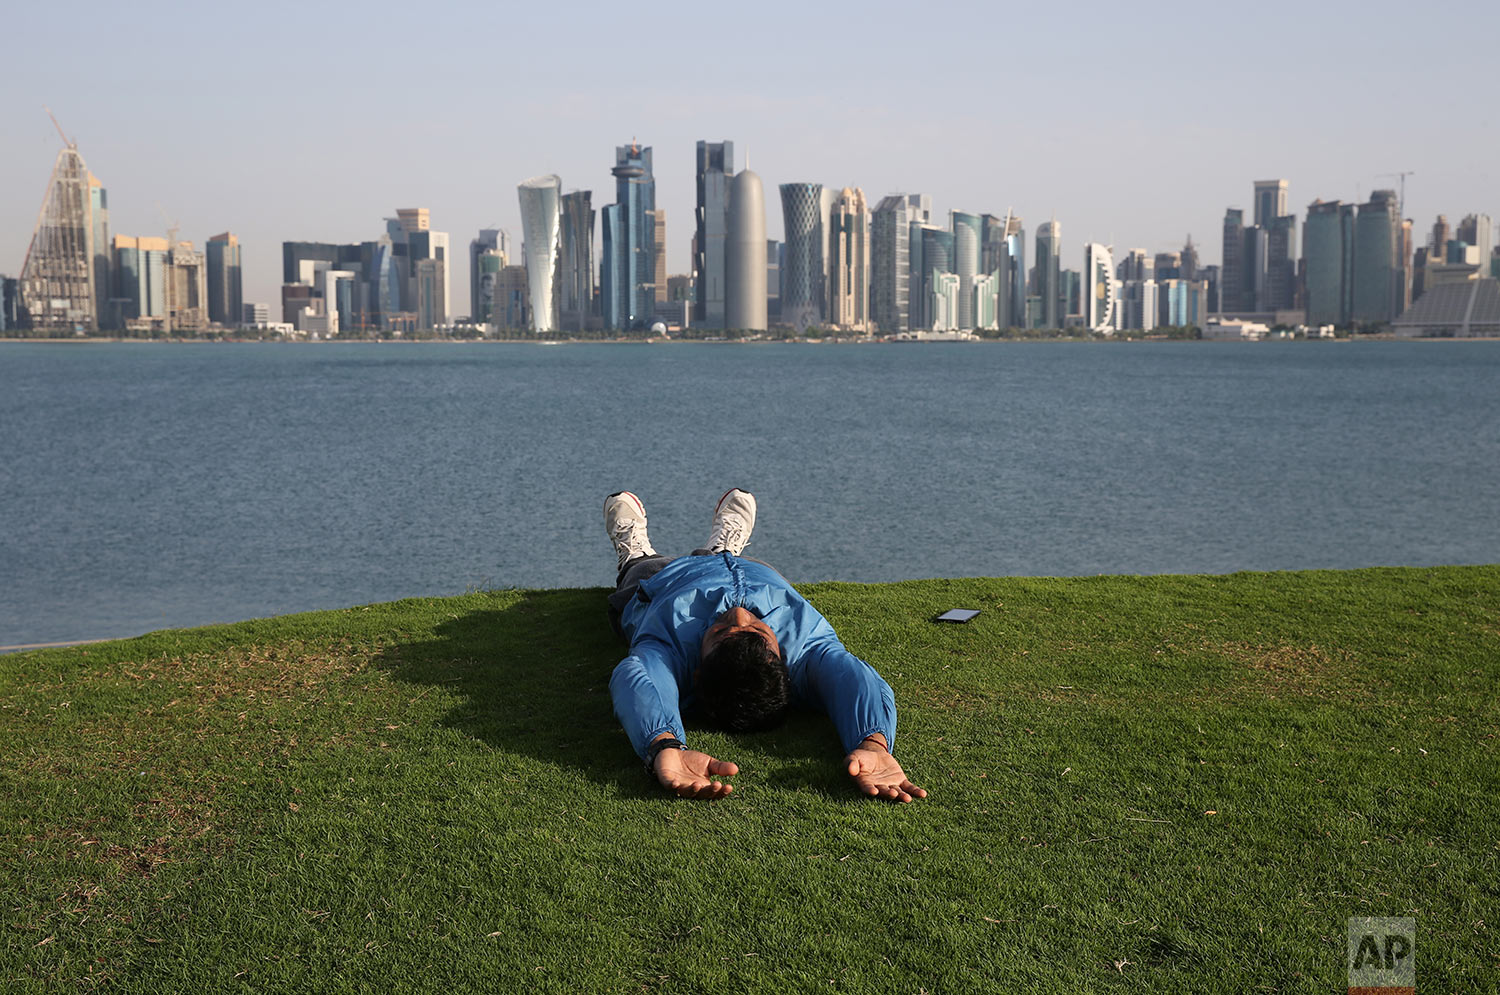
(1382, 956)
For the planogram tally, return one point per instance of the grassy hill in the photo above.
(1167, 784)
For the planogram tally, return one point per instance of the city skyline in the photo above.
(459, 268)
(972, 272)
(466, 132)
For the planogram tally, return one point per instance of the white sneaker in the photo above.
(734, 520)
(625, 521)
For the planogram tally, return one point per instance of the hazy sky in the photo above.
(1134, 124)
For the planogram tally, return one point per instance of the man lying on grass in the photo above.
(726, 635)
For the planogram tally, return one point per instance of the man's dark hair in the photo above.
(743, 684)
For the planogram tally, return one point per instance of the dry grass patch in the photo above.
(1310, 670)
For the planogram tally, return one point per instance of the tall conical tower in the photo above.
(57, 280)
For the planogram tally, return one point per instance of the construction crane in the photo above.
(1401, 204)
(172, 226)
(66, 140)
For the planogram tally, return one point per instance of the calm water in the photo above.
(144, 486)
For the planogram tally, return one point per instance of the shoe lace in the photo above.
(628, 539)
(729, 532)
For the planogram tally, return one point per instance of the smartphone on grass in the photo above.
(957, 615)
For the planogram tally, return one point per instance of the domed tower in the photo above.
(745, 258)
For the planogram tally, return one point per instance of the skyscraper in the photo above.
(488, 255)
(384, 274)
(57, 278)
(890, 277)
(715, 167)
(10, 303)
(745, 254)
(484, 279)
(942, 300)
(1137, 265)
(987, 300)
(1099, 300)
(1070, 282)
(774, 252)
(1012, 289)
(917, 316)
(225, 295)
(187, 288)
(512, 298)
(100, 249)
(577, 260)
(1328, 251)
(1377, 277)
(1182, 303)
(427, 245)
(658, 220)
(1138, 305)
(1253, 272)
(541, 233)
(1406, 239)
(1270, 201)
(1048, 269)
(1281, 263)
(802, 275)
(1437, 242)
(140, 289)
(991, 241)
(1475, 230)
(412, 240)
(611, 265)
(826, 206)
(849, 261)
(414, 219)
(967, 238)
(431, 277)
(939, 251)
(1190, 264)
(931, 252)
(629, 241)
(1232, 274)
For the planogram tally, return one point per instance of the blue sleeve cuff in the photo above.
(645, 695)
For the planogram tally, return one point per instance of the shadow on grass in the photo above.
(534, 679)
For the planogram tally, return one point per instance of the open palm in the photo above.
(689, 773)
(879, 775)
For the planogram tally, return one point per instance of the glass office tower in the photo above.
(890, 276)
(715, 169)
(1376, 244)
(225, 296)
(802, 274)
(541, 232)
(1048, 270)
(631, 241)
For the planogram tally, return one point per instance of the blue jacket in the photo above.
(665, 623)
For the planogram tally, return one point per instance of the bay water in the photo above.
(149, 485)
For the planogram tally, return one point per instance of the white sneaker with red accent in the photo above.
(734, 520)
(625, 521)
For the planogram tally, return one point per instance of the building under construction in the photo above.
(57, 280)
(187, 287)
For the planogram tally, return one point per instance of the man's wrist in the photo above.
(878, 739)
(664, 742)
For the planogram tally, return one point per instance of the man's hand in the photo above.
(687, 773)
(878, 774)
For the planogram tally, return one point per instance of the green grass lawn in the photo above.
(1164, 784)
